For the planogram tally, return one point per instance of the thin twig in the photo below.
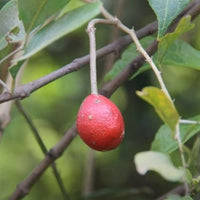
(186, 121)
(133, 35)
(5, 108)
(43, 148)
(24, 187)
(5, 86)
(25, 90)
(11, 54)
(135, 39)
(9, 85)
(127, 72)
(181, 151)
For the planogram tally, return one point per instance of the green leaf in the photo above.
(177, 197)
(12, 29)
(158, 162)
(14, 70)
(34, 13)
(187, 198)
(164, 142)
(3, 2)
(73, 4)
(162, 104)
(142, 69)
(166, 41)
(182, 54)
(166, 11)
(195, 155)
(179, 54)
(59, 28)
(127, 57)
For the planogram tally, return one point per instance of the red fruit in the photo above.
(100, 123)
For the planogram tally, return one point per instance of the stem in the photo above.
(11, 54)
(93, 73)
(43, 148)
(180, 145)
(185, 121)
(5, 86)
(91, 33)
(134, 37)
(149, 60)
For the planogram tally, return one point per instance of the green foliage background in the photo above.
(53, 109)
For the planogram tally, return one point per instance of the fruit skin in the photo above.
(100, 123)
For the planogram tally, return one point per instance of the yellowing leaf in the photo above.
(162, 104)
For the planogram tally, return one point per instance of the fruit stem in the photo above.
(91, 32)
(93, 73)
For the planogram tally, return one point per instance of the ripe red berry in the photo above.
(100, 123)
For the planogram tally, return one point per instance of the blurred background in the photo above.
(54, 107)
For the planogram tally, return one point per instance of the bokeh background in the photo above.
(54, 107)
